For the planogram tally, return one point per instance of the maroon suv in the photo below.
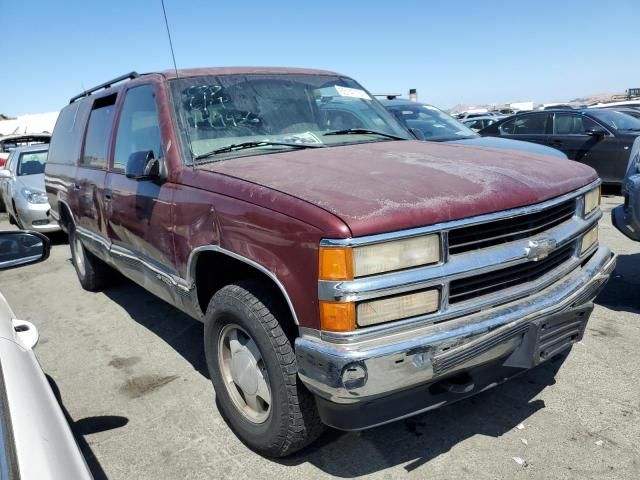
(346, 274)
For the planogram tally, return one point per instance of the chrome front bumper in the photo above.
(350, 373)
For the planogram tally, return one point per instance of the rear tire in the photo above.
(92, 272)
(286, 418)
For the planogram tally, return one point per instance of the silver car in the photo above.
(22, 189)
(35, 439)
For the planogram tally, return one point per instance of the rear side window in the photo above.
(535, 124)
(139, 128)
(572, 124)
(66, 140)
(98, 132)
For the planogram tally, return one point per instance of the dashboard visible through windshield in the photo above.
(434, 124)
(222, 116)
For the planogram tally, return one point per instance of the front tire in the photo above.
(254, 372)
(92, 272)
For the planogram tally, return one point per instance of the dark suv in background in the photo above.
(600, 138)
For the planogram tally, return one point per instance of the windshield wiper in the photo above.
(364, 131)
(242, 146)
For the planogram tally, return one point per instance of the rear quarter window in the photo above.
(66, 140)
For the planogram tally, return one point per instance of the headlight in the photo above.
(347, 263)
(588, 239)
(33, 196)
(591, 200)
(398, 307)
(344, 316)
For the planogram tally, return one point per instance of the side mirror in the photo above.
(22, 248)
(143, 166)
(4, 173)
(596, 132)
(417, 133)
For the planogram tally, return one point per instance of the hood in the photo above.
(32, 182)
(393, 185)
(509, 144)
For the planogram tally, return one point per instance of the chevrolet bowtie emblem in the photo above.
(541, 248)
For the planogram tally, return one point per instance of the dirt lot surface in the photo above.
(131, 376)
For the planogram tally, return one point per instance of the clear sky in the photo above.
(451, 51)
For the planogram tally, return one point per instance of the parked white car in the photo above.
(22, 189)
(36, 440)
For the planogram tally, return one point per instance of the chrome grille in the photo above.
(483, 284)
(506, 230)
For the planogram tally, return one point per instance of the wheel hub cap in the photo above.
(244, 372)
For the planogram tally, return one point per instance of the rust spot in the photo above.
(136, 387)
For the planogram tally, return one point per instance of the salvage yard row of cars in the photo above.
(347, 273)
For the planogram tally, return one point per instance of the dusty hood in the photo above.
(386, 186)
(509, 144)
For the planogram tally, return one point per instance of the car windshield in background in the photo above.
(617, 120)
(10, 144)
(220, 112)
(31, 163)
(434, 124)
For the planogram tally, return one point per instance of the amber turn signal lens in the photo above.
(336, 263)
(337, 316)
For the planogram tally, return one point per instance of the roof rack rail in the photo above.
(86, 93)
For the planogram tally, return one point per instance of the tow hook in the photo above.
(460, 384)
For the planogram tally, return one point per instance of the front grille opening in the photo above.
(485, 235)
(483, 284)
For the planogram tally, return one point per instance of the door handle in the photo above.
(557, 144)
(76, 186)
(108, 194)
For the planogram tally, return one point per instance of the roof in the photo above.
(42, 147)
(194, 72)
(399, 101)
(26, 136)
(482, 117)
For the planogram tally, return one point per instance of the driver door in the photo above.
(139, 211)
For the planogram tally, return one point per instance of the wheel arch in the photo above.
(66, 216)
(235, 267)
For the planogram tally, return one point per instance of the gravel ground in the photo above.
(131, 375)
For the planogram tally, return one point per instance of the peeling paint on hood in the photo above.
(385, 186)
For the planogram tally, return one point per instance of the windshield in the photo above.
(617, 120)
(31, 163)
(436, 125)
(215, 112)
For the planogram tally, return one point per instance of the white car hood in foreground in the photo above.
(45, 448)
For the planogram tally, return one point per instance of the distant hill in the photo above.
(586, 100)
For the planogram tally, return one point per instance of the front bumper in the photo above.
(36, 216)
(349, 376)
(626, 217)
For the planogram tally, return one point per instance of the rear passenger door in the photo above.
(534, 127)
(91, 174)
(600, 152)
(139, 211)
